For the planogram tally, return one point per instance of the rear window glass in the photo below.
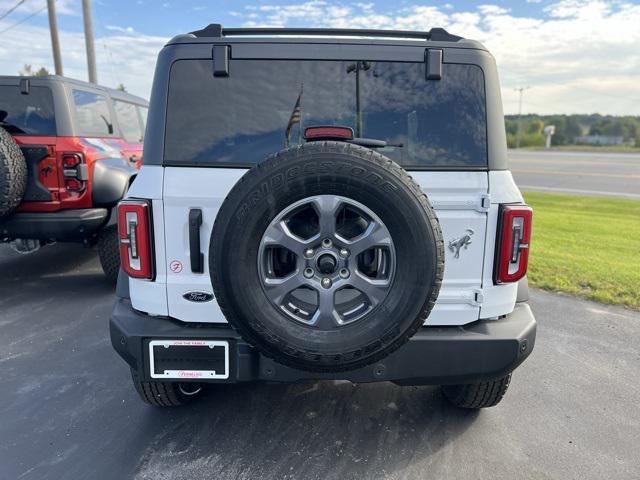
(129, 121)
(265, 105)
(92, 113)
(30, 114)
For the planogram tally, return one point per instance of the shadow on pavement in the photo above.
(54, 268)
(322, 430)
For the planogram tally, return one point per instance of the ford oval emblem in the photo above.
(198, 297)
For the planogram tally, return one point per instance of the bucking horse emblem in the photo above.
(461, 242)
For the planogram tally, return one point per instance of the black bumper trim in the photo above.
(63, 225)
(484, 350)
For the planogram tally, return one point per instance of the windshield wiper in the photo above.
(374, 143)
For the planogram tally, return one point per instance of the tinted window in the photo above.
(92, 113)
(240, 119)
(30, 114)
(129, 121)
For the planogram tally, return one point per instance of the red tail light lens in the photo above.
(75, 171)
(73, 185)
(71, 160)
(134, 235)
(514, 238)
(318, 133)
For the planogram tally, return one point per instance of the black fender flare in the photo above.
(111, 180)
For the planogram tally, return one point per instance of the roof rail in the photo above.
(217, 31)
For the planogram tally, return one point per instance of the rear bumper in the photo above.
(62, 226)
(434, 356)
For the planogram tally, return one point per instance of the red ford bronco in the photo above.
(68, 153)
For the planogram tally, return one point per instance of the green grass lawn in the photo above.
(587, 246)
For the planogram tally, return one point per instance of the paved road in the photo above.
(581, 173)
(67, 409)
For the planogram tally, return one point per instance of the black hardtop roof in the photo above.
(215, 32)
(43, 80)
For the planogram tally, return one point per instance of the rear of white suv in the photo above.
(274, 233)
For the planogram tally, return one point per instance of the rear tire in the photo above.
(165, 394)
(109, 253)
(13, 174)
(477, 395)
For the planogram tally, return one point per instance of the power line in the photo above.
(23, 20)
(20, 2)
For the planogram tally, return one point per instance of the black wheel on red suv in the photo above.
(13, 174)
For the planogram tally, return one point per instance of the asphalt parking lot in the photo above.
(68, 410)
(579, 173)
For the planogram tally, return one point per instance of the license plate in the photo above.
(189, 359)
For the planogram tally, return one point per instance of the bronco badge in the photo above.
(198, 297)
(457, 243)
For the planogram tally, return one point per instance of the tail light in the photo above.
(514, 237)
(76, 172)
(134, 236)
(328, 133)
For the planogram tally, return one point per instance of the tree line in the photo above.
(569, 127)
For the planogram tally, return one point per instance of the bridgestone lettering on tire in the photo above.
(326, 257)
(13, 174)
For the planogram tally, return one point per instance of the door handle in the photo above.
(196, 256)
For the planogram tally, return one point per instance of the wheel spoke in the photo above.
(326, 316)
(277, 288)
(277, 234)
(376, 235)
(326, 207)
(374, 289)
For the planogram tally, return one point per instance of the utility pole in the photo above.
(55, 42)
(521, 91)
(88, 40)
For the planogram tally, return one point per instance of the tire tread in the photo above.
(159, 394)
(477, 395)
(13, 174)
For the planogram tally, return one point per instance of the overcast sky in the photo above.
(577, 56)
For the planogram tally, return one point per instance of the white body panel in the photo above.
(147, 296)
(463, 201)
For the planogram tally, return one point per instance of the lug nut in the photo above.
(344, 253)
(308, 252)
(308, 272)
(344, 273)
(326, 243)
(326, 282)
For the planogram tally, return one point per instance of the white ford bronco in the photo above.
(324, 204)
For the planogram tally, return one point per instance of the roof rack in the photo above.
(217, 31)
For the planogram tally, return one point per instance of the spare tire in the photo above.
(326, 257)
(13, 174)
